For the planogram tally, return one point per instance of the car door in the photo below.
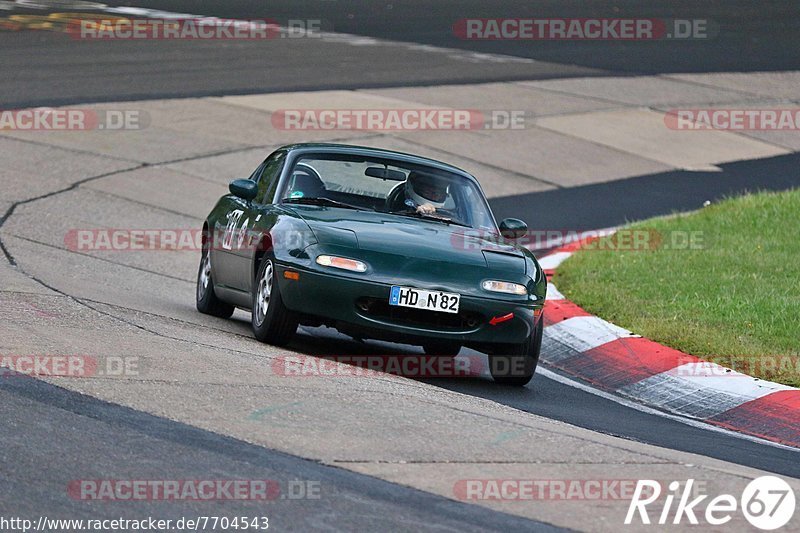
(226, 220)
(251, 220)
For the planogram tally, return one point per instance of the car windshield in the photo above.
(388, 186)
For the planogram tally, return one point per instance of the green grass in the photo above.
(733, 297)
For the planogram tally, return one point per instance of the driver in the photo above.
(425, 193)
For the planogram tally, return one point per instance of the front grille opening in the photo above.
(380, 309)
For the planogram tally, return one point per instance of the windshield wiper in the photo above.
(443, 220)
(319, 201)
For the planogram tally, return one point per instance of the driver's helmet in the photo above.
(426, 189)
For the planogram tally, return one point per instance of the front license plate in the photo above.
(421, 299)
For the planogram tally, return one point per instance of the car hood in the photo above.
(411, 240)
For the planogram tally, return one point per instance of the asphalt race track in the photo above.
(204, 406)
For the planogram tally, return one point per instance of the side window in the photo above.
(257, 172)
(268, 179)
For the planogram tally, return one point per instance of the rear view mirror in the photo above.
(245, 189)
(385, 174)
(513, 228)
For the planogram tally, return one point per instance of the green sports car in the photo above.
(377, 244)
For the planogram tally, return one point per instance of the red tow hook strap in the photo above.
(498, 319)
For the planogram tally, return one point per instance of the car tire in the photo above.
(442, 348)
(273, 322)
(207, 301)
(517, 368)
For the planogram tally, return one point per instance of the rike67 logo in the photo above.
(768, 503)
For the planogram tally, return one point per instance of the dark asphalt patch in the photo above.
(604, 205)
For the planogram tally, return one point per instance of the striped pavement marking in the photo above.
(616, 360)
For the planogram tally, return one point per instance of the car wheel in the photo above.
(273, 323)
(517, 368)
(444, 348)
(207, 301)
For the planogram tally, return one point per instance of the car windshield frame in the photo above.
(378, 158)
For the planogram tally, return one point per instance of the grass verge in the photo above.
(722, 283)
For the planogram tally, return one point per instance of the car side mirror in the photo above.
(512, 228)
(245, 189)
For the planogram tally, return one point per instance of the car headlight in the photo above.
(504, 286)
(341, 262)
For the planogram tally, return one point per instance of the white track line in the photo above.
(552, 261)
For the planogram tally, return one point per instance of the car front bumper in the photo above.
(334, 299)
